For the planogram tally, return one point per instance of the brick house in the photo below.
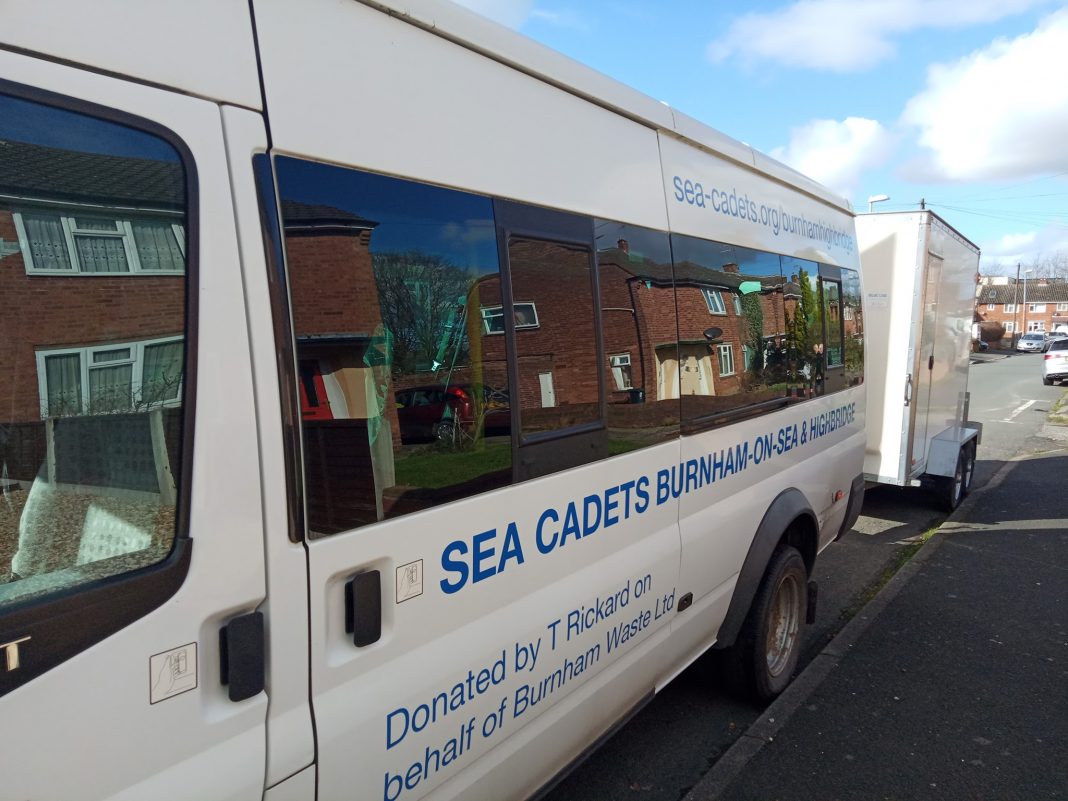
(1033, 304)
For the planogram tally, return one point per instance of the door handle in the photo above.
(242, 656)
(908, 389)
(363, 608)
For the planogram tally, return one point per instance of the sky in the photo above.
(961, 103)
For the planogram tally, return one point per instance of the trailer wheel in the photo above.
(762, 661)
(968, 454)
(951, 489)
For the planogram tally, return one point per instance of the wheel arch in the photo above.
(790, 520)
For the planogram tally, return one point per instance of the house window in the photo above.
(526, 316)
(1036, 325)
(620, 364)
(1010, 308)
(990, 307)
(726, 360)
(56, 243)
(714, 300)
(1062, 307)
(113, 378)
(1036, 307)
(1010, 326)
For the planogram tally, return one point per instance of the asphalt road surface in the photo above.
(665, 749)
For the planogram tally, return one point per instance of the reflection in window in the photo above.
(739, 362)
(402, 380)
(559, 374)
(636, 282)
(91, 371)
(525, 315)
(853, 327)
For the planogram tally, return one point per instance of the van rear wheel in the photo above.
(762, 661)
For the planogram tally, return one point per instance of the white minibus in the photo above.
(389, 405)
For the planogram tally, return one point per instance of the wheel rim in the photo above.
(783, 624)
(969, 469)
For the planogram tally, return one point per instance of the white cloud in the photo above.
(999, 113)
(848, 35)
(512, 13)
(1026, 248)
(835, 153)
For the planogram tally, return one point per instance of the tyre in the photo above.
(969, 468)
(762, 661)
(951, 489)
(445, 431)
(1047, 381)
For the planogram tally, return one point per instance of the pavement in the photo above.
(951, 684)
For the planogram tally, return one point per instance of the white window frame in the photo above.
(123, 230)
(1036, 308)
(1010, 327)
(1010, 308)
(1061, 307)
(85, 364)
(489, 313)
(726, 354)
(617, 362)
(1036, 326)
(990, 307)
(714, 301)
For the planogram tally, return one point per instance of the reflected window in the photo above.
(714, 299)
(402, 372)
(91, 370)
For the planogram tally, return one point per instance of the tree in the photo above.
(423, 300)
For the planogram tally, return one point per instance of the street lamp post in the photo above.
(1023, 325)
(872, 199)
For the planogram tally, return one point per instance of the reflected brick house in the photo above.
(92, 281)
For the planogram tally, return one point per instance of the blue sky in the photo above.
(961, 102)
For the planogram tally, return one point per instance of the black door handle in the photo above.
(363, 608)
(243, 662)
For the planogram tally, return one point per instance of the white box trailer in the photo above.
(919, 279)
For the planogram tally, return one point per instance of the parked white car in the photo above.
(1055, 362)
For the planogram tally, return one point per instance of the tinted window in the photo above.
(733, 315)
(396, 298)
(92, 357)
(853, 327)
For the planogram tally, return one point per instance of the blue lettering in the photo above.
(451, 565)
(481, 554)
(610, 505)
(641, 489)
(539, 535)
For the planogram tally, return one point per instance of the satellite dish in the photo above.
(713, 333)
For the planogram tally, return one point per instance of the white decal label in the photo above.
(409, 580)
(172, 672)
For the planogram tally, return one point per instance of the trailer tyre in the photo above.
(762, 661)
(968, 454)
(951, 490)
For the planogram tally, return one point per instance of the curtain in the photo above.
(101, 254)
(63, 379)
(162, 376)
(157, 246)
(110, 389)
(48, 246)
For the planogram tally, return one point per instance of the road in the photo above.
(672, 742)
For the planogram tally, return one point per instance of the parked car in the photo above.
(1055, 362)
(1051, 337)
(1032, 342)
(434, 411)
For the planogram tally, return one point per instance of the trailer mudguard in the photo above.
(784, 510)
(945, 448)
